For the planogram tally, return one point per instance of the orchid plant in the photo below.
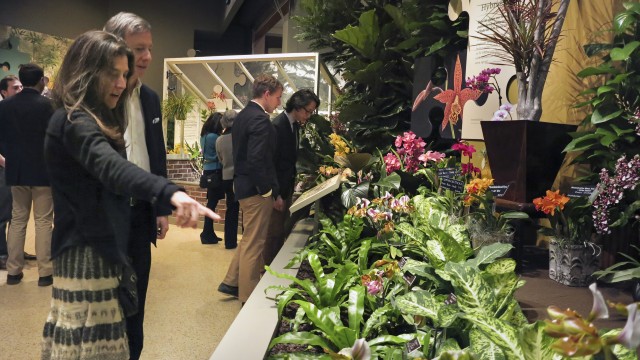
(410, 154)
(486, 82)
(570, 218)
(578, 336)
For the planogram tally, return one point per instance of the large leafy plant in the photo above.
(373, 44)
(609, 131)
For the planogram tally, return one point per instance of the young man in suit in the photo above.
(255, 183)
(145, 148)
(296, 113)
(9, 86)
(23, 121)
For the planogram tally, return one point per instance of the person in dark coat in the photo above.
(296, 113)
(93, 185)
(23, 121)
(254, 182)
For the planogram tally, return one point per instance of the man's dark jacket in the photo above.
(254, 141)
(285, 156)
(23, 123)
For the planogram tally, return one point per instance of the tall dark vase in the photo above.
(526, 155)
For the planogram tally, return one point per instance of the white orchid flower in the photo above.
(599, 309)
(359, 351)
(630, 335)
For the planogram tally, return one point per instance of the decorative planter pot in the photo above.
(572, 265)
(526, 155)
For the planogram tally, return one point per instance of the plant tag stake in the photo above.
(409, 279)
(412, 345)
(448, 173)
(402, 262)
(452, 184)
(498, 190)
(577, 191)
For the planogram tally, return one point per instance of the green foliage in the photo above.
(622, 271)
(177, 106)
(610, 130)
(373, 44)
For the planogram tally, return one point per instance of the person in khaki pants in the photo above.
(255, 182)
(23, 121)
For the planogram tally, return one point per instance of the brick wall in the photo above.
(181, 172)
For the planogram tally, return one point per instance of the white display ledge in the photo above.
(250, 333)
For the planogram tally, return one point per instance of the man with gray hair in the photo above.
(145, 148)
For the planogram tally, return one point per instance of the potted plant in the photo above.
(608, 140)
(573, 258)
(486, 225)
(524, 33)
(177, 107)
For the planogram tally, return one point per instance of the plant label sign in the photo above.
(315, 193)
(409, 279)
(412, 345)
(402, 262)
(577, 191)
(448, 173)
(452, 184)
(498, 190)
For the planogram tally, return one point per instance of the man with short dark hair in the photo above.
(296, 113)
(9, 86)
(23, 121)
(145, 147)
(254, 184)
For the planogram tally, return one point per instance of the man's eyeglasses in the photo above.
(309, 112)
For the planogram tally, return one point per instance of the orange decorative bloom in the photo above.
(552, 201)
(454, 99)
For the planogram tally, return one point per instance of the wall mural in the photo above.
(20, 46)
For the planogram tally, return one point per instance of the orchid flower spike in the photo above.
(422, 96)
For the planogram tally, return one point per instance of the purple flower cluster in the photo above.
(481, 81)
(409, 147)
(611, 190)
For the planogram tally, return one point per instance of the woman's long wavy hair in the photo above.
(80, 83)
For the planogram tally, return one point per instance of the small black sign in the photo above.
(412, 345)
(409, 279)
(402, 262)
(581, 190)
(498, 190)
(448, 173)
(452, 184)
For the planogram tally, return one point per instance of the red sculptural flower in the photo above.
(454, 99)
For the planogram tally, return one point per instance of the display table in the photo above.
(250, 333)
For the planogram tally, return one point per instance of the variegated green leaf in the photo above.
(410, 232)
(535, 342)
(299, 356)
(513, 314)
(387, 339)
(483, 348)
(473, 293)
(500, 333)
(449, 344)
(376, 319)
(489, 253)
(501, 266)
(448, 314)
(419, 302)
(328, 321)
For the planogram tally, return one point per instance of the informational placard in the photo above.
(192, 127)
(449, 173)
(412, 345)
(315, 193)
(498, 190)
(577, 191)
(452, 184)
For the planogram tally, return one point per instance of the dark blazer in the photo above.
(254, 141)
(91, 185)
(155, 139)
(23, 122)
(285, 156)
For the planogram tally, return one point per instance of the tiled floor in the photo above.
(185, 318)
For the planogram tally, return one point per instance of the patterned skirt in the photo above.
(85, 321)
